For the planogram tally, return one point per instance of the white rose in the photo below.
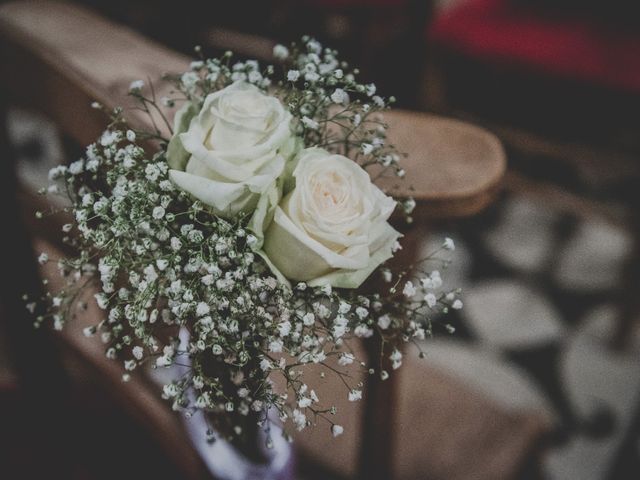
(230, 154)
(332, 227)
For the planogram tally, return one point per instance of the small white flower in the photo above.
(457, 305)
(87, 199)
(293, 75)
(378, 101)
(314, 46)
(89, 331)
(384, 321)
(150, 274)
(363, 331)
(345, 359)
(131, 135)
(280, 52)
(198, 382)
(343, 308)
(431, 300)
(76, 167)
(136, 86)
(433, 281)
(189, 80)
(409, 205)
(216, 349)
(265, 364)
(101, 300)
(308, 319)
(158, 213)
(254, 77)
(355, 395)
(284, 328)
(299, 419)
(339, 96)
(370, 89)
(448, 244)
(311, 76)
(43, 258)
(396, 359)
(366, 148)
(202, 309)
(108, 138)
(336, 430)
(176, 244)
(275, 346)
(138, 352)
(409, 290)
(362, 313)
(170, 390)
(152, 172)
(310, 123)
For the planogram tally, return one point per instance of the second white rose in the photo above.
(230, 153)
(332, 228)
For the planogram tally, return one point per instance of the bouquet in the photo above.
(255, 227)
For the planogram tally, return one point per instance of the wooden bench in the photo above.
(61, 57)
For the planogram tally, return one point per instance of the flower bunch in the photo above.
(253, 227)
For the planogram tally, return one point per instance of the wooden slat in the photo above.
(61, 57)
(453, 168)
(138, 397)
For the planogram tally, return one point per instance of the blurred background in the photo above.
(550, 272)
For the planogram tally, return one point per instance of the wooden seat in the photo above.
(62, 57)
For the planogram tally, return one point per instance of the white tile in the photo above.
(524, 237)
(24, 127)
(509, 314)
(595, 376)
(592, 260)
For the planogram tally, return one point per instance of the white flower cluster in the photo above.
(336, 111)
(159, 261)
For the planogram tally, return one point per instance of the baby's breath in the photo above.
(159, 262)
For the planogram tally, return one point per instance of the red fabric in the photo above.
(496, 30)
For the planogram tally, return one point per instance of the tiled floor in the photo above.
(537, 325)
